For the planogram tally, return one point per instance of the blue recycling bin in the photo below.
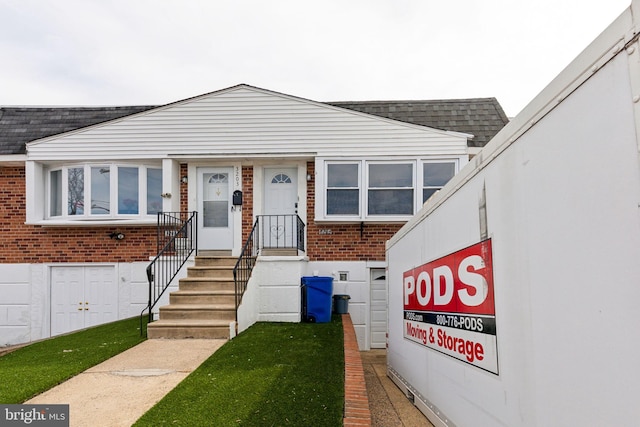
(316, 298)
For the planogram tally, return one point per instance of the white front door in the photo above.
(280, 207)
(215, 222)
(82, 297)
(378, 308)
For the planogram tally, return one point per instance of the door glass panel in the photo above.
(100, 190)
(215, 203)
(281, 178)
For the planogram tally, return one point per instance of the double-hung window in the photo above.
(379, 190)
(104, 191)
(390, 189)
(434, 176)
(343, 189)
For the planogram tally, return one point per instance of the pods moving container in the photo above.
(514, 295)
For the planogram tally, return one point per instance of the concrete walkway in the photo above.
(120, 390)
(389, 406)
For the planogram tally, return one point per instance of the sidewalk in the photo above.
(389, 406)
(120, 390)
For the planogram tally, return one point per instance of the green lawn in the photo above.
(30, 370)
(273, 374)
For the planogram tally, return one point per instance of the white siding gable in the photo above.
(247, 121)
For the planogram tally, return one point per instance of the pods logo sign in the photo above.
(449, 306)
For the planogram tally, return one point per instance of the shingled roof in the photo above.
(482, 117)
(19, 125)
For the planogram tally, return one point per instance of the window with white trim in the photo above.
(379, 190)
(104, 191)
(390, 189)
(343, 189)
(434, 176)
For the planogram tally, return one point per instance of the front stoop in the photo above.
(203, 306)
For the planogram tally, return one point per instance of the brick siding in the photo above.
(356, 397)
(23, 243)
(247, 201)
(36, 244)
(346, 242)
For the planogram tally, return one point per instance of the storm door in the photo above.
(215, 222)
(280, 208)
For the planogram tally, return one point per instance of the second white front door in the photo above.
(215, 222)
(280, 206)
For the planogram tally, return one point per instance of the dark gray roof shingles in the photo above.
(482, 117)
(19, 125)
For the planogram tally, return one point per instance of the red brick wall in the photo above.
(247, 201)
(184, 196)
(347, 242)
(22, 243)
(36, 244)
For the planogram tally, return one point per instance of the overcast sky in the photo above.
(130, 52)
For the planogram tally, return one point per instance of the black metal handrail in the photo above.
(177, 238)
(245, 263)
(281, 232)
(300, 234)
(271, 232)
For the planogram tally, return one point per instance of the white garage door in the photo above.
(378, 308)
(82, 296)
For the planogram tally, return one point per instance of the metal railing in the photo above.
(268, 232)
(281, 232)
(245, 263)
(177, 239)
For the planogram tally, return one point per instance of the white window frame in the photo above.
(368, 187)
(325, 187)
(423, 162)
(418, 163)
(113, 192)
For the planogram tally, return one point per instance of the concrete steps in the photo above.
(204, 305)
(203, 297)
(188, 328)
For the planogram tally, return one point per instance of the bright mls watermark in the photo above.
(34, 415)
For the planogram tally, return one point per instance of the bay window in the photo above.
(55, 191)
(104, 191)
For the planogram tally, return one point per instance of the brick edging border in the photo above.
(356, 400)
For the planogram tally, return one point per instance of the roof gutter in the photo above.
(13, 160)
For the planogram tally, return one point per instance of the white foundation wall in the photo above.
(25, 305)
(562, 211)
(273, 292)
(274, 295)
(15, 307)
(356, 286)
